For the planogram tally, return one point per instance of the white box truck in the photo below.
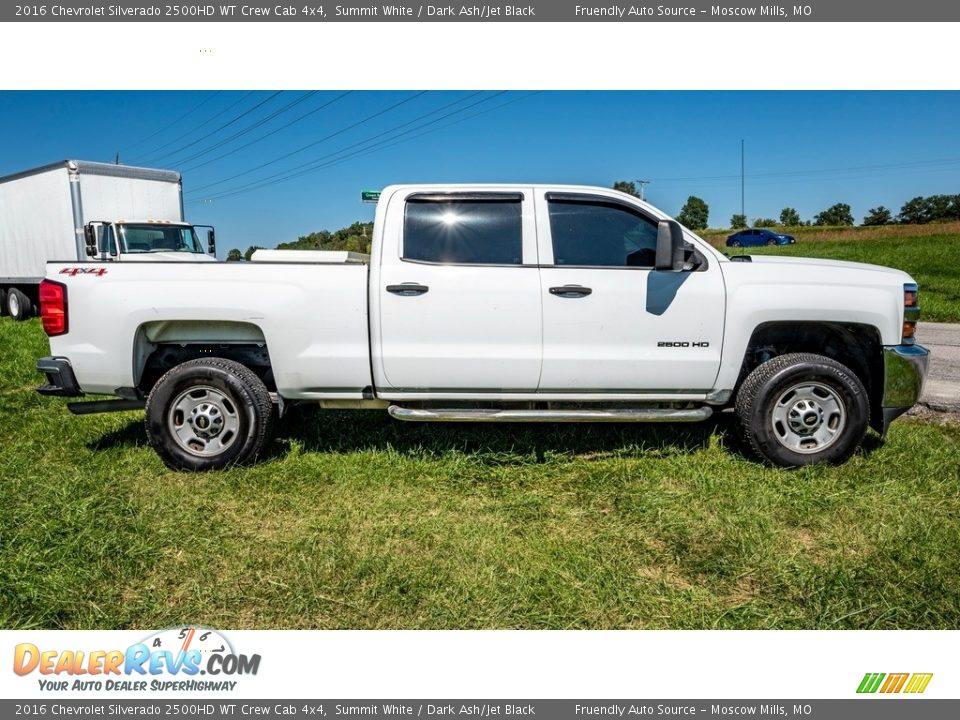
(87, 211)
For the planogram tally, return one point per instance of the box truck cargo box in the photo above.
(86, 211)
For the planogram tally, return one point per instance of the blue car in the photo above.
(754, 237)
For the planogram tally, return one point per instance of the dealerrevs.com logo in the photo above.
(172, 659)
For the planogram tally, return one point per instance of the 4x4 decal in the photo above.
(73, 272)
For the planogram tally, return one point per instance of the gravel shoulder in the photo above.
(942, 389)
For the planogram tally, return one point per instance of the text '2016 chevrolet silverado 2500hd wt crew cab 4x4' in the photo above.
(493, 303)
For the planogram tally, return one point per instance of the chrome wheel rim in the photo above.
(204, 421)
(13, 304)
(808, 417)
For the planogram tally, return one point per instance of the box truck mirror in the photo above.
(211, 242)
(90, 238)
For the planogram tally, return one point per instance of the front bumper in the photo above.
(60, 378)
(904, 373)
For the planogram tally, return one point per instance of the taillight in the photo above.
(911, 313)
(53, 307)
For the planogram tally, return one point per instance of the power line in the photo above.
(314, 143)
(292, 171)
(272, 132)
(287, 172)
(196, 127)
(240, 133)
(376, 148)
(368, 151)
(172, 122)
(222, 127)
(824, 171)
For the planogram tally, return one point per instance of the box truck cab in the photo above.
(76, 210)
(148, 241)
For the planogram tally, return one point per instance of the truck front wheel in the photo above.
(801, 408)
(208, 414)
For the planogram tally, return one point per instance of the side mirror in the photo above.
(211, 242)
(670, 246)
(90, 240)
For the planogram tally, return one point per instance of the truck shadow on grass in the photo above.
(351, 431)
(495, 444)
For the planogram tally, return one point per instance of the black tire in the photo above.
(3, 302)
(194, 397)
(735, 243)
(800, 409)
(771, 243)
(18, 305)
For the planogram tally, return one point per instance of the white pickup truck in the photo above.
(516, 303)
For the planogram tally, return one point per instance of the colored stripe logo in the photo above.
(894, 683)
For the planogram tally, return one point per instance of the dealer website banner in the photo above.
(194, 671)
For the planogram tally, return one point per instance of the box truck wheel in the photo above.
(3, 302)
(18, 305)
(799, 409)
(208, 414)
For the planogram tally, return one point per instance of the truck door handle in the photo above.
(570, 291)
(407, 289)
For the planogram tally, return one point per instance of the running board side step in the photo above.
(91, 407)
(549, 416)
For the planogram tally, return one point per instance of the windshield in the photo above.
(150, 237)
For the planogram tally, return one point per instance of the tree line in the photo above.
(354, 238)
(918, 211)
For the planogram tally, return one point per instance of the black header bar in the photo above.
(536, 11)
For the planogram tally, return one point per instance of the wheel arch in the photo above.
(858, 346)
(160, 345)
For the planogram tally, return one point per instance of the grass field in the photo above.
(357, 521)
(930, 253)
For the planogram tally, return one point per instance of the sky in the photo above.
(266, 167)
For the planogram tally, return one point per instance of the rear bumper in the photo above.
(60, 378)
(904, 373)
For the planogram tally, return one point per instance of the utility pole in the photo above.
(742, 184)
(642, 184)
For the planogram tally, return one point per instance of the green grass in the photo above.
(357, 521)
(932, 259)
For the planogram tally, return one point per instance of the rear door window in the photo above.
(464, 229)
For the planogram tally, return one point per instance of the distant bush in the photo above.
(355, 238)
(789, 217)
(878, 216)
(838, 214)
(936, 208)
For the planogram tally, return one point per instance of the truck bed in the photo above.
(313, 319)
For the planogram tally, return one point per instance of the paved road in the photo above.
(942, 391)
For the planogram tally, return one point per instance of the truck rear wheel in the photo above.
(800, 409)
(208, 414)
(18, 305)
